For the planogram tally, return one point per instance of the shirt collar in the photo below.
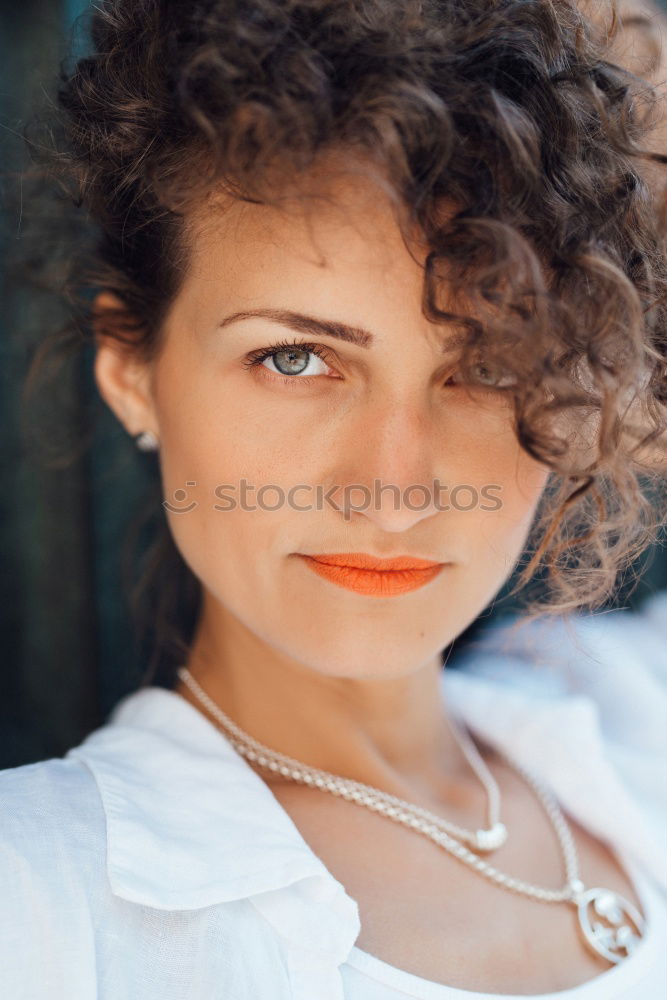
(191, 824)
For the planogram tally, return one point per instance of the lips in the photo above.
(360, 560)
(372, 576)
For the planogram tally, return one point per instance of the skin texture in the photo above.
(343, 681)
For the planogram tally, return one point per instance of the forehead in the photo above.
(333, 247)
(344, 224)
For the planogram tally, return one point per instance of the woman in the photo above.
(383, 288)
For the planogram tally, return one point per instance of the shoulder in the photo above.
(609, 656)
(51, 812)
(52, 878)
(598, 679)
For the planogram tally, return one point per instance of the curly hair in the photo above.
(509, 114)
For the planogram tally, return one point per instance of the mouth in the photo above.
(370, 575)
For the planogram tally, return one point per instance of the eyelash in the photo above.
(255, 359)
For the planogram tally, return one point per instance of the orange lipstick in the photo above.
(376, 577)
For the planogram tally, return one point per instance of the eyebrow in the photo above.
(302, 323)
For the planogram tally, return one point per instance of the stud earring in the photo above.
(146, 441)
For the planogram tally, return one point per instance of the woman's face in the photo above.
(377, 413)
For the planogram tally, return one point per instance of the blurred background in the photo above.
(69, 653)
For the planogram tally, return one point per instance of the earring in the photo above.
(146, 441)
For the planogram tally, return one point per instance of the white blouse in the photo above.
(153, 863)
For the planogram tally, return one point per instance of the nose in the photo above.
(388, 471)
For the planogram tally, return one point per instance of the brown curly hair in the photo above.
(510, 114)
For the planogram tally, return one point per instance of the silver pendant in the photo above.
(610, 924)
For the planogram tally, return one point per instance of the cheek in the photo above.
(506, 528)
(236, 534)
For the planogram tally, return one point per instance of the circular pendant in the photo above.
(611, 925)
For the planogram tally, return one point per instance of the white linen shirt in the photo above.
(152, 863)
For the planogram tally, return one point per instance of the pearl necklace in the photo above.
(615, 940)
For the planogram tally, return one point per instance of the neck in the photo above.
(391, 733)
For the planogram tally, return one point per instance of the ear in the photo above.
(123, 380)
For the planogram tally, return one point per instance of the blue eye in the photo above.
(495, 376)
(289, 359)
(487, 377)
